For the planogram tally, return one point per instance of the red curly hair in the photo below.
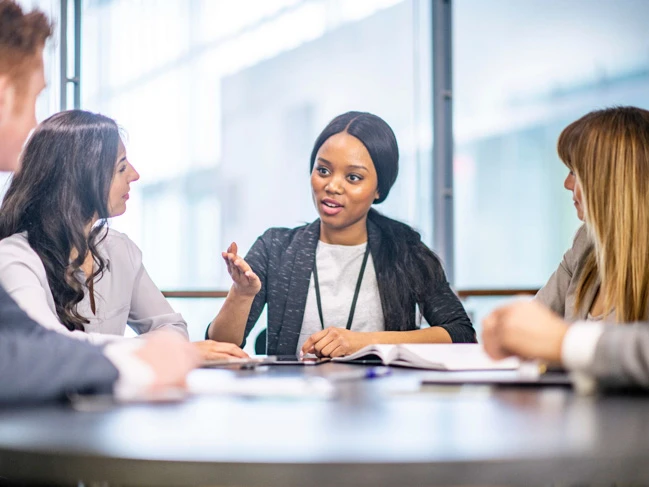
(22, 36)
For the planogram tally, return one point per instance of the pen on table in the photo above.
(369, 373)
(532, 369)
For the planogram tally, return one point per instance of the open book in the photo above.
(436, 356)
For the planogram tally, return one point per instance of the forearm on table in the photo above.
(230, 324)
(179, 328)
(433, 334)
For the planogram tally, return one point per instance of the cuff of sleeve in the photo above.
(579, 344)
(135, 375)
(578, 352)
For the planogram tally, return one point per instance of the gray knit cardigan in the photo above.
(283, 258)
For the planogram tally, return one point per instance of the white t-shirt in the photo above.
(338, 270)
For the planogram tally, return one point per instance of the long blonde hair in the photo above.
(608, 151)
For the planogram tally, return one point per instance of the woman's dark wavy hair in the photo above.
(66, 171)
(403, 266)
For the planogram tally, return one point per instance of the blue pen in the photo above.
(369, 373)
(374, 372)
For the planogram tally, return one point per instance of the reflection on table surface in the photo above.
(386, 431)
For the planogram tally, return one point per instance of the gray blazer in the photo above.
(283, 259)
(621, 355)
(37, 364)
(560, 292)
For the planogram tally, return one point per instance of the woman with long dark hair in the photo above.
(351, 278)
(58, 259)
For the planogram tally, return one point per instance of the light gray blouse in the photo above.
(124, 294)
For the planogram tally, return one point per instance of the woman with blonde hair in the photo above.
(604, 277)
(606, 272)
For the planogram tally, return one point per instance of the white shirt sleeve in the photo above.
(579, 343)
(578, 352)
(135, 376)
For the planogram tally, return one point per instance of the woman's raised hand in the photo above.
(245, 281)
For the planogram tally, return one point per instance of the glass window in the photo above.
(522, 72)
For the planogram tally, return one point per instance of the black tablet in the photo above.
(294, 360)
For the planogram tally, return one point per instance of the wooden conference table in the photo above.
(380, 432)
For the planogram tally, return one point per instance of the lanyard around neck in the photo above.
(356, 291)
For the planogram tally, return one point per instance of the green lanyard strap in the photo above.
(356, 291)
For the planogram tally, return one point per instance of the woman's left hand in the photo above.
(213, 350)
(335, 342)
